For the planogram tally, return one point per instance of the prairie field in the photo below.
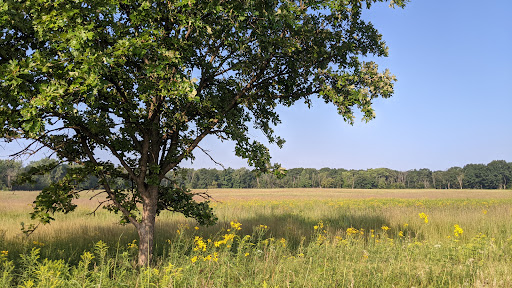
(273, 238)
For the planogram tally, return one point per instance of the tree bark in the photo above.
(460, 178)
(146, 229)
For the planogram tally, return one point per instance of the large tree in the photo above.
(146, 81)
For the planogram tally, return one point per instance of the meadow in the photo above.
(274, 238)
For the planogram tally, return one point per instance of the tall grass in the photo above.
(280, 242)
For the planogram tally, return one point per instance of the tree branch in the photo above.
(211, 158)
(110, 193)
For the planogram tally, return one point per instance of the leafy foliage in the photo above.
(148, 81)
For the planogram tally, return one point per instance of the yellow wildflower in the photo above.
(133, 245)
(424, 217)
(385, 228)
(200, 244)
(352, 230)
(457, 231)
(193, 259)
(246, 254)
(320, 225)
(283, 242)
(236, 225)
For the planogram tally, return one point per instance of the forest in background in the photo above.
(495, 175)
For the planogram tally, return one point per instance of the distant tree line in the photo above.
(11, 169)
(495, 175)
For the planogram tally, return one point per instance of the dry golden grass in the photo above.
(21, 200)
(335, 194)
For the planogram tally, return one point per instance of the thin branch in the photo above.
(95, 195)
(100, 203)
(211, 158)
(27, 151)
(111, 195)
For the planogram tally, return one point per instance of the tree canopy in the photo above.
(146, 81)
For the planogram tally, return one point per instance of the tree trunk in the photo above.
(146, 229)
(460, 178)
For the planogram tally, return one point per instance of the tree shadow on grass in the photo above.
(295, 228)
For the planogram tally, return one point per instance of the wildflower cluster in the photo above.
(352, 231)
(457, 231)
(236, 225)
(37, 243)
(320, 232)
(424, 217)
(209, 250)
(3, 255)
(200, 244)
(227, 239)
(133, 245)
(320, 226)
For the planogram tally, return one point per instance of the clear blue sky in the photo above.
(452, 104)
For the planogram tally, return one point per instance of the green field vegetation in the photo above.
(274, 238)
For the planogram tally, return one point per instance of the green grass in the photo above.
(287, 238)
